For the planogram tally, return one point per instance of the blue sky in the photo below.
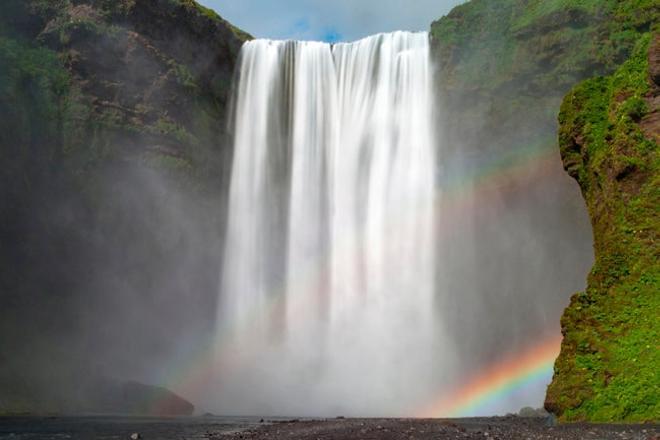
(329, 20)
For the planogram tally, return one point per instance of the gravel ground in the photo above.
(479, 428)
(227, 428)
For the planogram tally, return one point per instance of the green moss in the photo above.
(24, 62)
(549, 43)
(184, 76)
(33, 91)
(86, 28)
(114, 8)
(543, 9)
(504, 66)
(165, 126)
(210, 13)
(608, 368)
(168, 163)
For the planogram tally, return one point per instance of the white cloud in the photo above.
(322, 19)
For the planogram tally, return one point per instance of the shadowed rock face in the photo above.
(114, 153)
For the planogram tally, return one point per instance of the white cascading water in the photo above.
(327, 287)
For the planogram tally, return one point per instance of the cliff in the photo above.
(609, 133)
(124, 79)
(507, 64)
(503, 68)
(114, 156)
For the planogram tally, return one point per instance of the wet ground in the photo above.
(189, 428)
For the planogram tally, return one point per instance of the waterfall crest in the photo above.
(326, 303)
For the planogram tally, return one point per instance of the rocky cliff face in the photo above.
(113, 145)
(609, 133)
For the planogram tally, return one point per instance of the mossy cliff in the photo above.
(114, 154)
(610, 359)
(126, 78)
(503, 69)
(506, 64)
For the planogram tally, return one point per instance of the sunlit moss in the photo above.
(608, 369)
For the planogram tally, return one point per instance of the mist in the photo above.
(505, 222)
(140, 287)
(112, 208)
(119, 267)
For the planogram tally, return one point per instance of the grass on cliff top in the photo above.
(610, 364)
(210, 13)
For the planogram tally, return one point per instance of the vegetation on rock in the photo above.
(508, 63)
(609, 364)
(503, 68)
(540, 44)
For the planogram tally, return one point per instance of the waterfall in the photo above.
(326, 303)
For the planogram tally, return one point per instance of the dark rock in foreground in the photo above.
(138, 398)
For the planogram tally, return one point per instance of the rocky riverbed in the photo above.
(218, 428)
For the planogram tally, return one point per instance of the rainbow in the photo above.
(194, 371)
(498, 381)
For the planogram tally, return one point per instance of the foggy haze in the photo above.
(504, 261)
(146, 287)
